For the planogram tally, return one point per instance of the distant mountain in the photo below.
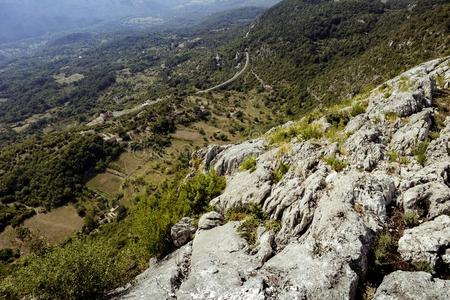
(21, 19)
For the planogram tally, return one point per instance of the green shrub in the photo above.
(357, 109)
(404, 160)
(6, 254)
(273, 225)
(310, 131)
(78, 271)
(22, 233)
(420, 152)
(248, 227)
(279, 172)
(335, 163)
(302, 130)
(393, 156)
(411, 219)
(391, 116)
(338, 117)
(248, 164)
(423, 265)
(384, 247)
(155, 215)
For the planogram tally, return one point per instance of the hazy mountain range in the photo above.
(21, 19)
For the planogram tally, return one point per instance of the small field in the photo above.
(54, 227)
(62, 79)
(106, 183)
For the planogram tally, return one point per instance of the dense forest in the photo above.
(49, 172)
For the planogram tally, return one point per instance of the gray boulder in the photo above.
(210, 220)
(246, 187)
(365, 147)
(229, 160)
(414, 132)
(182, 232)
(162, 280)
(426, 242)
(356, 123)
(439, 149)
(220, 267)
(402, 285)
(428, 200)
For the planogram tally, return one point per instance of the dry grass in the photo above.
(56, 225)
(106, 183)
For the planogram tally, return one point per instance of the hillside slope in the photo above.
(353, 202)
(316, 52)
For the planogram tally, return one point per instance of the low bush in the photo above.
(249, 164)
(420, 151)
(84, 268)
(423, 266)
(357, 109)
(384, 247)
(302, 130)
(335, 163)
(279, 172)
(411, 219)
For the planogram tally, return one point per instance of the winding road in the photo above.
(236, 76)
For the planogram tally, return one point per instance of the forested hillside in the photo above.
(319, 51)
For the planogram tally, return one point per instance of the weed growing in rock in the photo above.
(273, 225)
(335, 163)
(411, 219)
(249, 164)
(385, 245)
(391, 116)
(279, 172)
(302, 130)
(358, 108)
(422, 265)
(420, 152)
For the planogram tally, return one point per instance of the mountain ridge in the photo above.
(336, 203)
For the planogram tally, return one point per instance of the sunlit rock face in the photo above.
(329, 217)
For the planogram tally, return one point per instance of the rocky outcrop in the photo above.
(210, 220)
(426, 242)
(182, 232)
(415, 131)
(412, 286)
(329, 217)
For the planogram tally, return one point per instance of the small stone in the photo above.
(210, 220)
(182, 232)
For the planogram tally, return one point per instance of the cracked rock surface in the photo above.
(329, 220)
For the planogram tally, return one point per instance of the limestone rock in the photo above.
(162, 280)
(182, 232)
(266, 245)
(329, 220)
(429, 200)
(416, 131)
(229, 160)
(294, 201)
(327, 262)
(426, 242)
(220, 267)
(210, 220)
(244, 188)
(402, 285)
(356, 123)
(439, 149)
(365, 147)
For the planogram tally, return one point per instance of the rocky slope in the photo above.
(341, 192)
